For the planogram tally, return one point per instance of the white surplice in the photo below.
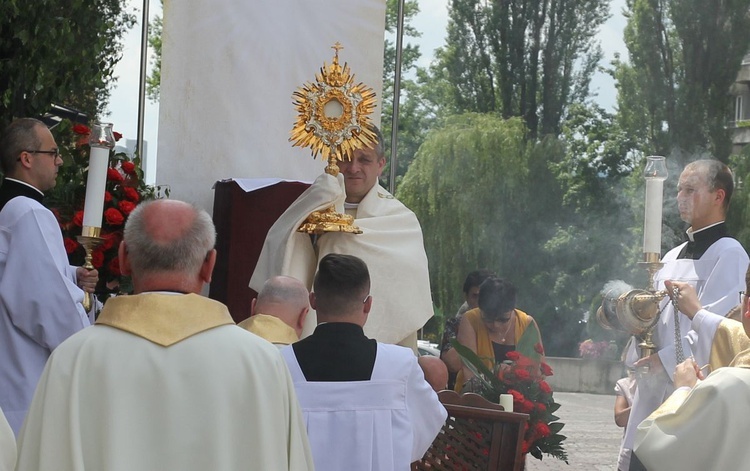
(379, 425)
(7, 445)
(164, 382)
(391, 245)
(718, 277)
(702, 429)
(40, 303)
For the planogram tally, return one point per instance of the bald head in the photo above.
(435, 372)
(168, 239)
(286, 298)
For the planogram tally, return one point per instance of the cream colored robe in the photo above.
(701, 429)
(7, 445)
(391, 245)
(164, 382)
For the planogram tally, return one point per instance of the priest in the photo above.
(391, 245)
(702, 424)
(165, 379)
(40, 292)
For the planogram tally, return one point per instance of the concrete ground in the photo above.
(593, 441)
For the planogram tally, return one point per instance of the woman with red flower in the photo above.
(494, 328)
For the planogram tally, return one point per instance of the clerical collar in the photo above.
(351, 205)
(691, 233)
(12, 188)
(702, 239)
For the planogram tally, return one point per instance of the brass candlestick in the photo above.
(90, 240)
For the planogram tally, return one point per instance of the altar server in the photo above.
(712, 262)
(40, 292)
(165, 379)
(366, 404)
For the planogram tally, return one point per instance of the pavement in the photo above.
(593, 439)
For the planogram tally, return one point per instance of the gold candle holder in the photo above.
(90, 240)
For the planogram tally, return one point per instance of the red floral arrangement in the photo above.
(523, 376)
(125, 188)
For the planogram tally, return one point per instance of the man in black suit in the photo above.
(366, 404)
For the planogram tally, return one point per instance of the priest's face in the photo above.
(45, 165)
(361, 173)
(698, 205)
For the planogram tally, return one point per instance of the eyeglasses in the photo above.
(54, 153)
(742, 297)
(366, 298)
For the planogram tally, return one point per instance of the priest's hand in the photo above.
(687, 374)
(87, 279)
(685, 296)
(652, 362)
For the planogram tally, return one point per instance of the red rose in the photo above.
(107, 197)
(541, 408)
(111, 239)
(525, 447)
(131, 194)
(78, 218)
(117, 135)
(113, 175)
(539, 348)
(524, 406)
(70, 245)
(114, 266)
(113, 217)
(541, 429)
(126, 207)
(524, 362)
(517, 396)
(81, 129)
(513, 356)
(128, 167)
(546, 369)
(523, 375)
(545, 387)
(97, 258)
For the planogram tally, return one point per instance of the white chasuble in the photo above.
(702, 429)
(391, 245)
(164, 382)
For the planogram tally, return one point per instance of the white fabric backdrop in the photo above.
(229, 68)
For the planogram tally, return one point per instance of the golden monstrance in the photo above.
(333, 120)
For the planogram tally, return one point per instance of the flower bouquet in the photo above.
(522, 375)
(125, 188)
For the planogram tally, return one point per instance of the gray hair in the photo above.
(283, 290)
(380, 144)
(184, 254)
(18, 136)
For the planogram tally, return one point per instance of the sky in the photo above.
(431, 21)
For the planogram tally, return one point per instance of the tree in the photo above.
(54, 51)
(520, 58)
(486, 198)
(684, 56)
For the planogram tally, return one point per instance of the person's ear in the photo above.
(313, 304)
(302, 317)
(367, 304)
(207, 268)
(252, 307)
(122, 254)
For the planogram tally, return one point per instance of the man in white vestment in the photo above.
(278, 313)
(391, 245)
(712, 262)
(366, 404)
(40, 292)
(165, 380)
(703, 424)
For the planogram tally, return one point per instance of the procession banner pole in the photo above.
(142, 80)
(396, 97)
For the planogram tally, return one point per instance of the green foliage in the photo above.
(520, 58)
(153, 81)
(54, 51)
(684, 56)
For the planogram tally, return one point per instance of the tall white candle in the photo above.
(94, 204)
(506, 400)
(652, 226)
(655, 174)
